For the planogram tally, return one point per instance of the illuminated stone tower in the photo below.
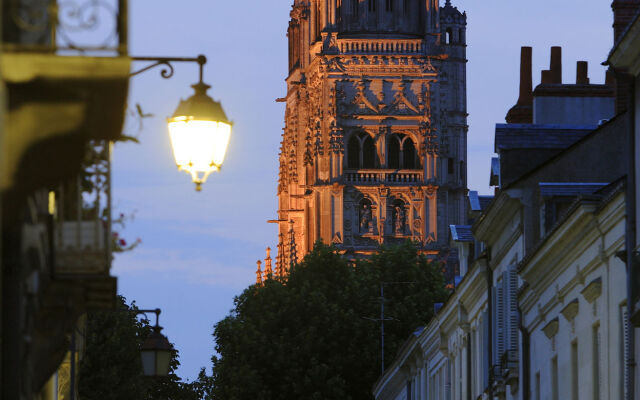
(374, 145)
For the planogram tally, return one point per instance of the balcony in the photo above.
(87, 27)
(82, 225)
(391, 177)
(66, 71)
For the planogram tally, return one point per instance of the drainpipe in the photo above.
(526, 359)
(469, 354)
(630, 199)
(489, 276)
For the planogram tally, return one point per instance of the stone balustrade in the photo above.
(388, 177)
(381, 46)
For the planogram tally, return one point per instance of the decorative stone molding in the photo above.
(593, 290)
(551, 329)
(571, 310)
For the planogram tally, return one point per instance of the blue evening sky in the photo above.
(199, 249)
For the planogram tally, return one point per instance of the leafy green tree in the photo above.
(111, 366)
(309, 337)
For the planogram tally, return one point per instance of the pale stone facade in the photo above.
(374, 144)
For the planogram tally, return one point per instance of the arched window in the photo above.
(368, 153)
(389, 5)
(393, 152)
(448, 36)
(409, 157)
(353, 152)
(355, 7)
(372, 5)
(401, 153)
(461, 36)
(406, 7)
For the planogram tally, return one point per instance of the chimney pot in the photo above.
(582, 74)
(556, 65)
(546, 77)
(526, 84)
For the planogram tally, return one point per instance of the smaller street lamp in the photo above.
(155, 350)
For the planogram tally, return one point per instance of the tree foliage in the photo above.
(309, 337)
(111, 366)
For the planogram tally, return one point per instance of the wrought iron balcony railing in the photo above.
(82, 227)
(65, 27)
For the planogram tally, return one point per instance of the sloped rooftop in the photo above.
(528, 136)
(461, 233)
(551, 189)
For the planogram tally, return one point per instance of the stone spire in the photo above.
(293, 256)
(280, 258)
(268, 271)
(259, 273)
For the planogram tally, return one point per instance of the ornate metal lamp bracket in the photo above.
(167, 70)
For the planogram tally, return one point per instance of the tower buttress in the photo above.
(374, 145)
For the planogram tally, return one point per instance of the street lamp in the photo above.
(155, 350)
(199, 129)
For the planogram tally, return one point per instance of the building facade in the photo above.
(541, 310)
(63, 102)
(374, 145)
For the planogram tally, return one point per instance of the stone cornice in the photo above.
(490, 224)
(571, 310)
(593, 290)
(551, 329)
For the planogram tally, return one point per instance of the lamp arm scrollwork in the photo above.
(167, 70)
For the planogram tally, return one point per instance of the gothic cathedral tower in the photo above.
(375, 140)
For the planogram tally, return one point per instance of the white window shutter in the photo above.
(485, 351)
(511, 309)
(499, 332)
(624, 322)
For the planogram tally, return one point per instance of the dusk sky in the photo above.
(199, 250)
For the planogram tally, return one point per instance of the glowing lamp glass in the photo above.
(199, 133)
(199, 147)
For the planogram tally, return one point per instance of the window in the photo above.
(401, 153)
(574, 371)
(406, 7)
(355, 7)
(450, 168)
(595, 363)
(353, 153)
(368, 153)
(393, 153)
(409, 158)
(448, 38)
(372, 5)
(389, 5)
(361, 152)
(554, 378)
(538, 397)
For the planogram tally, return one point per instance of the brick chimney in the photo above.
(553, 75)
(556, 65)
(522, 112)
(624, 12)
(582, 73)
